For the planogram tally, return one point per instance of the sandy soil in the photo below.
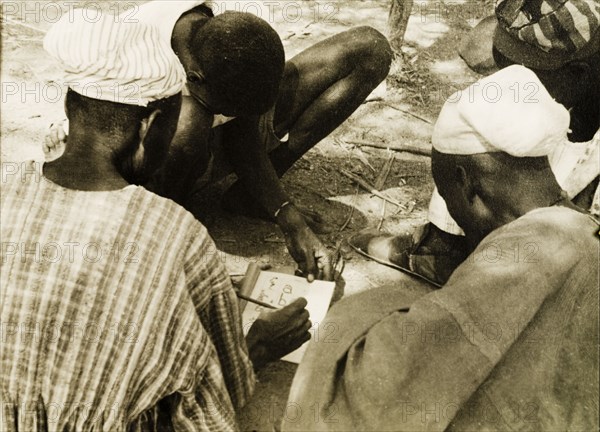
(417, 87)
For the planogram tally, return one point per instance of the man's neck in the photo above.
(529, 202)
(520, 202)
(86, 165)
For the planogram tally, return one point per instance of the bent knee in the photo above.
(373, 51)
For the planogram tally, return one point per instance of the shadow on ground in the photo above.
(403, 115)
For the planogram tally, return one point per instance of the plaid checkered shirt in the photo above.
(116, 313)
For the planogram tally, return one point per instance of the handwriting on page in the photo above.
(277, 294)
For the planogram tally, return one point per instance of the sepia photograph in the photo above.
(299, 215)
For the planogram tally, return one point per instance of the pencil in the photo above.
(258, 302)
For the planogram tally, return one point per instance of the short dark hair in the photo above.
(122, 122)
(102, 115)
(242, 59)
(113, 117)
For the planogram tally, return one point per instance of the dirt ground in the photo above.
(400, 112)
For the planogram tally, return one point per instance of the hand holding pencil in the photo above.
(277, 333)
(257, 302)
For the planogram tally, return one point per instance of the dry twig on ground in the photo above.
(369, 188)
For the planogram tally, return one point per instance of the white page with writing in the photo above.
(279, 290)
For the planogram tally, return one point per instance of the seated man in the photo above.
(236, 67)
(116, 311)
(511, 341)
(561, 44)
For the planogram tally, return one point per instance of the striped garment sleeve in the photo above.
(218, 308)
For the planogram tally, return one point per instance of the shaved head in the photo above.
(242, 59)
(485, 191)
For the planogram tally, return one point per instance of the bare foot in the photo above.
(55, 141)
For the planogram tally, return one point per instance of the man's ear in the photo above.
(145, 127)
(146, 124)
(465, 184)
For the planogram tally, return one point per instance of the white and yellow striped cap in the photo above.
(114, 59)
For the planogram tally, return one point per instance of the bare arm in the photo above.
(251, 162)
(188, 155)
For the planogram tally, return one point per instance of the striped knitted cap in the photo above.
(546, 34)
(114, 59)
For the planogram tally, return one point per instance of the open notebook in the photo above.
(280, 289)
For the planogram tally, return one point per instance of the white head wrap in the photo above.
(509, 111)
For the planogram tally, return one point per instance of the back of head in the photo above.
(491, 144)
(121, 122)
(118, 73)
(497, 177)
(108, 117)
(242, 59)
